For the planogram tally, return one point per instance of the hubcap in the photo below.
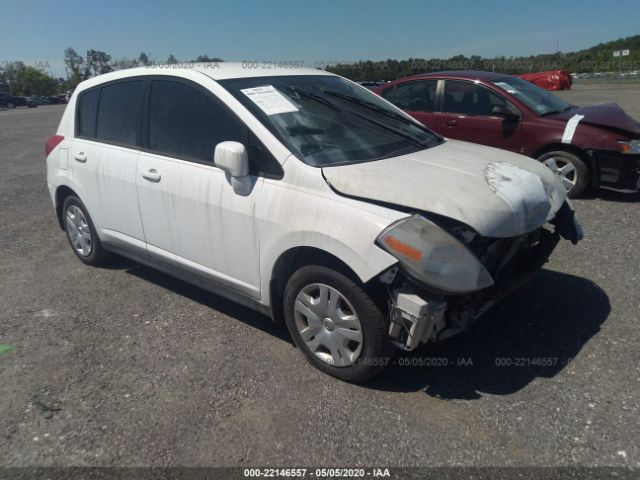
(78, 231)
(565, 170)
(328, 325)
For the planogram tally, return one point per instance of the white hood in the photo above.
(495, 192)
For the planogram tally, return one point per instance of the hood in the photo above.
(495, 192)
(606, 115)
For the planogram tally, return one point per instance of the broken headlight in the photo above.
(433, 256)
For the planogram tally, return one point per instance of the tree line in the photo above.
(22, 79)
(595, 59)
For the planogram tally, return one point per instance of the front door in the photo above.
(190, 213)
(468, 113)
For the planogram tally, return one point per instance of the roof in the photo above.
(214, 70)
(463, 74)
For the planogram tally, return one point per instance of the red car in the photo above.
(596, 146)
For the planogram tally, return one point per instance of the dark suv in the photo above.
(596, 146)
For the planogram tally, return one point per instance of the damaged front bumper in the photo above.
(418, 314)
(615, 170)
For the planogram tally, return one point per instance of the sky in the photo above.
(315, 32)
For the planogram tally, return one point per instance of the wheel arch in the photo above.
(62, 192)
(296, 257)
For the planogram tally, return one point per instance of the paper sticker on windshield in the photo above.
(270, 101)
(570, 128)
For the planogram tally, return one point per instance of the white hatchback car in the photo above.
(305, 196)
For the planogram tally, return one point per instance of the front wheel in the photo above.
(336, 324)
(571, 169)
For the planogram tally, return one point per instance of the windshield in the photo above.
(326, 120)
(539, 100)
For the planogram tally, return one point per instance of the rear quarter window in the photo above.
(88, 113)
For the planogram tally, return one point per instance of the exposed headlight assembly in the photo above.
(632, 146)
(433, 256)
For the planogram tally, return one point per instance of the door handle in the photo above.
(452, 123)
(80, 157)
(152, 175)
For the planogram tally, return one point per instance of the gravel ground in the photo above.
(125, 366)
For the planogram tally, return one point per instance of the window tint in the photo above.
(88, 113)
(419, 96)
(119, 112)
(185, 121)
(472, 99)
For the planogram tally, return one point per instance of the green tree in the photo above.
(98, 62)
(207, 59)
(23, 80)
(74, 65)
(143, 59)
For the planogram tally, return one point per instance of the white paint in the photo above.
(270, 100)
(570, 128)
(450, 180)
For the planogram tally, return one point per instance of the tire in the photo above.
(577, 180)
(332, 344)
(85, 243)
(11, 105)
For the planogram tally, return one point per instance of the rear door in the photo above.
(103, 159)
(190, 213)
(468, 114)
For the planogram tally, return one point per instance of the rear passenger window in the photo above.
(119, 113)
(418, 96)
(186, 122)
(88, 113)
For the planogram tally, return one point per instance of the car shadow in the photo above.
(536, 331)
(238, 311)
(611, 196)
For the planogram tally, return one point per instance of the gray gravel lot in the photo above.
(126, 366)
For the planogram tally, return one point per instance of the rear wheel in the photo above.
(81, 232)
(336, 324)
(11, 105)
(572, 170)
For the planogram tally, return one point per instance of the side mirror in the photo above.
(232, 158)
(504, 112)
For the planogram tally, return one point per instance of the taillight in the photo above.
(51, 144)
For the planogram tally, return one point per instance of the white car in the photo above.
(305, 196)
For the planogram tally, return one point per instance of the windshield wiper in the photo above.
(313, 96)
(330, 104)
(372, 106)
(409, 137)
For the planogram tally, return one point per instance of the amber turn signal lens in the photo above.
(403, 248)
